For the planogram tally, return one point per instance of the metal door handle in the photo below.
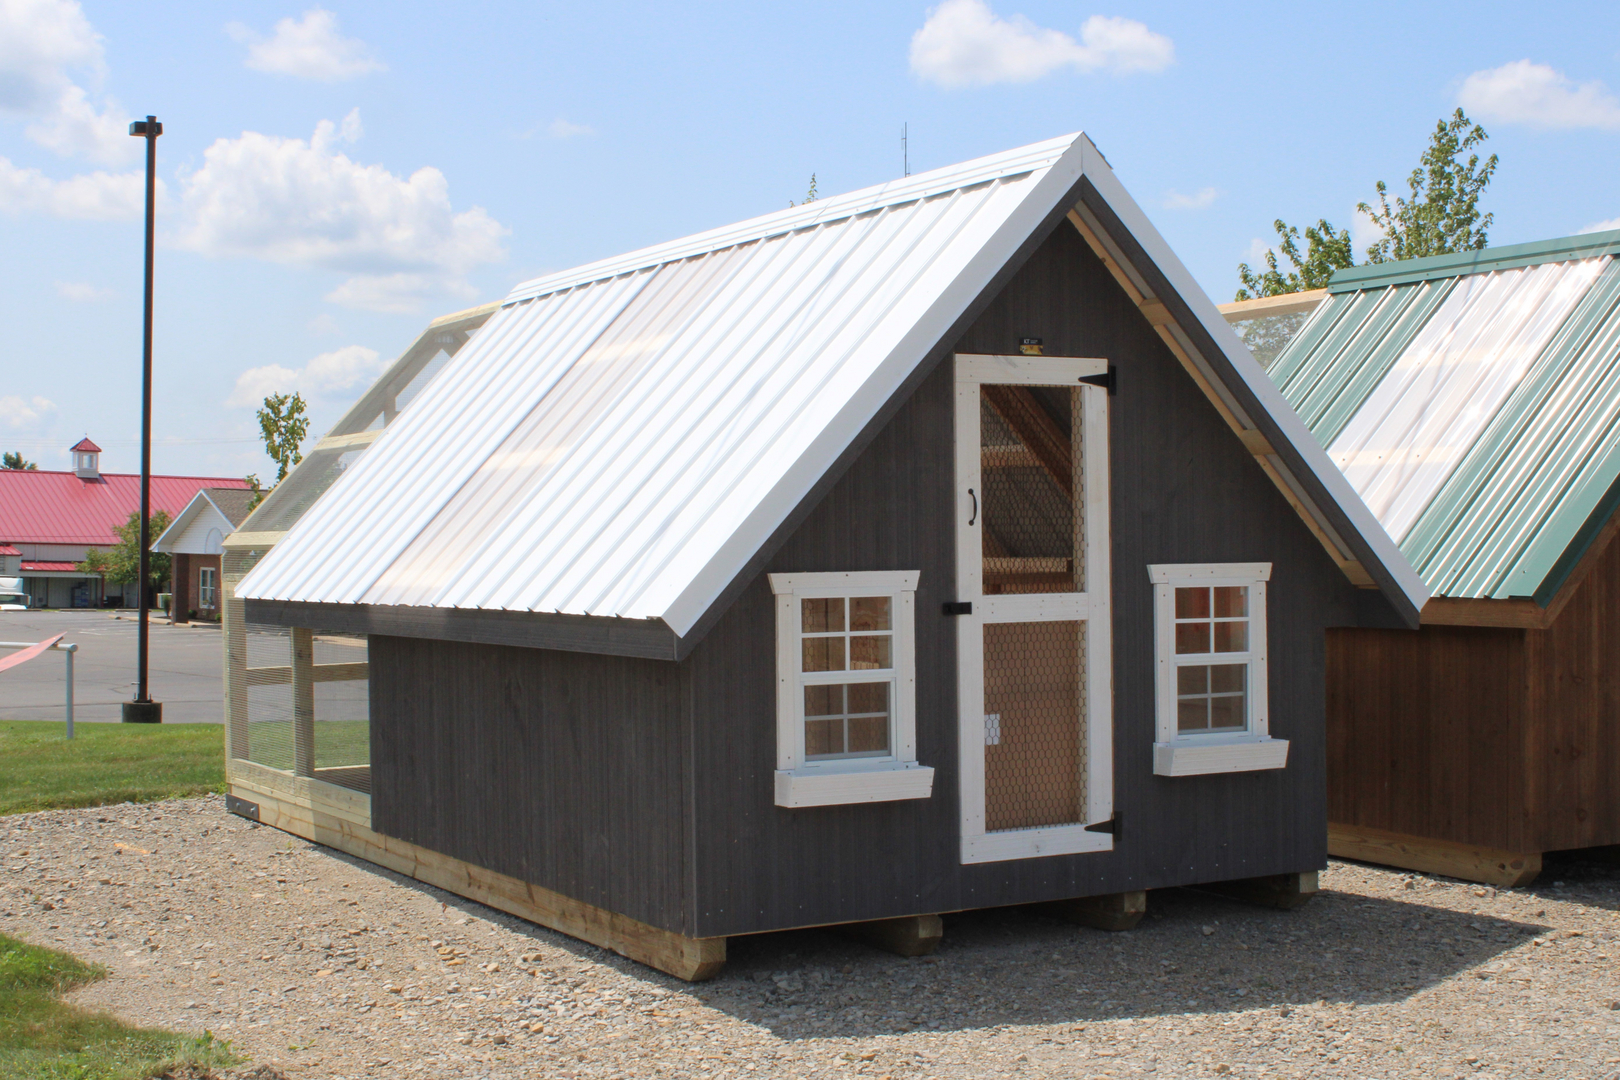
(975, 515)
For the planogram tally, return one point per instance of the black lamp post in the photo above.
(143, 710)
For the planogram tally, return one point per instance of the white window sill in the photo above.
(819, 788)
(1238, 755)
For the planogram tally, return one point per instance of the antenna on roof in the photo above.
(905, 152)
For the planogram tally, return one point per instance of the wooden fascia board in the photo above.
(649, 639)
(1254, 440)
(1289, 304)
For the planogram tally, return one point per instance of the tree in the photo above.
(121, 565)
(1442, 217)
(13, 460)
(283, 424)
(1326, 250)
(810, 196)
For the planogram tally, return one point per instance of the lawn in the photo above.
(43, 1038)
(106, 763)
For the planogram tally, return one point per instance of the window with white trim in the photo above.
(846, 688)
(206, 587)
(1211, 685)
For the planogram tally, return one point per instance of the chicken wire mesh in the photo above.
(1034, 725)
(1034, 499)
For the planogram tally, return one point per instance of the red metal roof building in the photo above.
(53, 518)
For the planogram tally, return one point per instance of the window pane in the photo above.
(869, 613)
(869, 735)
(1192, 714)
(823, 738)
(1228, 712)
(869, 652)
(823, 615)
(1231, 601)
(869, 697)
(1229, 678)
(1192, 637)
(1232, 636)
(1193, 679)
(1192, 603)
(824, 654)
(824, 700)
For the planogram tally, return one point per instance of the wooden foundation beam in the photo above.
(910, 935)
(692, 959)
(1274, 890)
(1114, 911)
(1470, 862)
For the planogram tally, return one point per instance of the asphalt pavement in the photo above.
(185, 668)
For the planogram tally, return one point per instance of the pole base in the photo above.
(143, 712)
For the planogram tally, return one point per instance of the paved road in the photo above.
(186, 668)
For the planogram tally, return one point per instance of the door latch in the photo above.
(958, 607)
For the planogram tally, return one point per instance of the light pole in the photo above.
(143, 710)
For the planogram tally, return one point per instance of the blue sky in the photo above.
(336, 176)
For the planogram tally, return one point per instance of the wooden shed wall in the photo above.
(1506, 738)
(1183, 490)
(563, 769)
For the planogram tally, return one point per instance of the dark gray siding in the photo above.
(558, 768)
(1183, 490)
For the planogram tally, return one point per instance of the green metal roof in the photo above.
(1474, 402)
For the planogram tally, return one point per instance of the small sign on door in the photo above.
(992, 729)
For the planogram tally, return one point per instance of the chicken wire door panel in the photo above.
(1036, 729)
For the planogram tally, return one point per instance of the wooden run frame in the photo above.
(1091, 607)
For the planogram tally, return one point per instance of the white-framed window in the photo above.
(1209, 623)
(846, 729)
(207, 585)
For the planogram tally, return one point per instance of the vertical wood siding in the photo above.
(559, 768)
(1183, 490)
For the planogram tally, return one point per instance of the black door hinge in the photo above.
(1113, 825)
(958, 607)
(1106, 381)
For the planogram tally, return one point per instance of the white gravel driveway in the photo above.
(324, 966)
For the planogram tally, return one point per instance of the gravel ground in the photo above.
(323, 966)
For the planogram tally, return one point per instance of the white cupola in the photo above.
(86, 459)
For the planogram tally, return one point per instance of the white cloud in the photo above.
(16, 412)
(562, 129)
(41, 42)
(1602, 226)
(97, 196)
(1201, 199)
(1257, 252)
(1525, 93)
(308, 205)
(82, 292)
(329, 373)
(311, 48)
(964, 43)
(1364, 233)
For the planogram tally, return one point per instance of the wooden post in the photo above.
(910, 935)
(1113, 911)
(303, 701)
(236, 696)
(1276, 890)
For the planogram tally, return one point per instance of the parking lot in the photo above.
(185, 668)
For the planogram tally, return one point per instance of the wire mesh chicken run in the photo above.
(297, 699)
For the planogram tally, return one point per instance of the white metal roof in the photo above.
(620, 439)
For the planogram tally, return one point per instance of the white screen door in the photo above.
(1032, 560)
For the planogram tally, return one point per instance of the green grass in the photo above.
(43, 1038)
(106, 763)
(337, 742)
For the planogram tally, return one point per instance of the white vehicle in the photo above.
(12, 596)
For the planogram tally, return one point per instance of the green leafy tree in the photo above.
(13, 460)
(809, 196)
(283, 424)
(1442, 217)
(121, 564)
(1326, 250)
